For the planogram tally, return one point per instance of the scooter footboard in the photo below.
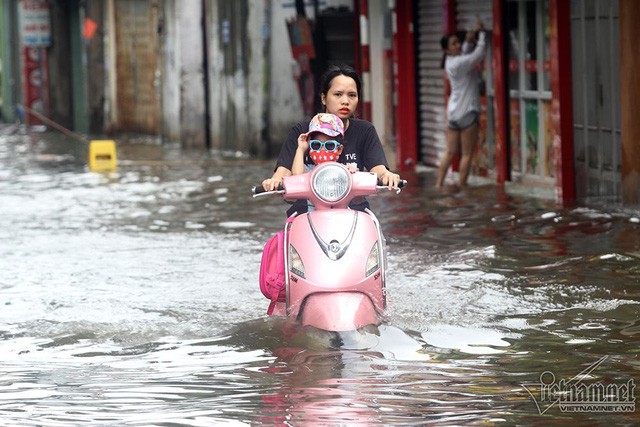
(338, 311)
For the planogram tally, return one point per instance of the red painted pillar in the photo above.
(365, 67)
(562, 102)
(35, 37)
(405, 85)
(629, 12)
(500, 95)
(35, 82)
(448, 16)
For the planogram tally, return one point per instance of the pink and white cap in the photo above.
(326, 123)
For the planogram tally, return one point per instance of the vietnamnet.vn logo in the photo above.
(578, 395)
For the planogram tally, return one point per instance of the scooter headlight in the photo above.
(295, 262)
(331, 183)
(373, 260)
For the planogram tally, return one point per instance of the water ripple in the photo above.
(131, 298)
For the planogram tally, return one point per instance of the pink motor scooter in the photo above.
(334, 261)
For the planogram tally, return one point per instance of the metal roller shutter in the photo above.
(431, 108)
(468, 11)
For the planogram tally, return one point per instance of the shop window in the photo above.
(529, 85)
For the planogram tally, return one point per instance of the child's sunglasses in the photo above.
(330, 145)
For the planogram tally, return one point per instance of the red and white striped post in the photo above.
(500, 104)
(364, 59)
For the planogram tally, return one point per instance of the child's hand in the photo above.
(352, 167)
(303, 141)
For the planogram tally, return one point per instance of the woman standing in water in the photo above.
(463, 109)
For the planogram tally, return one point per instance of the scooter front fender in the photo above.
(338, 311)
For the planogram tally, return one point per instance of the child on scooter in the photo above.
(324, 144)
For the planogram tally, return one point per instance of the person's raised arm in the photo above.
(464, 63)
(297, 168)
(470, 42)
(472, 37)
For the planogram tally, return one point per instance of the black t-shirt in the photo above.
(361, 146)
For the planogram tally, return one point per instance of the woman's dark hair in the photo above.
(337, 70)
(444, 44)
(444, 40)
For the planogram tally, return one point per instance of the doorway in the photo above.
(137, 46)
(529, 90)
(595, 43)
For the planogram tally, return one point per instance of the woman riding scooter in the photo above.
(340, 89)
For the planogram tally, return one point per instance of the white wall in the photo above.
(238, 86)
(170, 73)
(256, 80)
(181, 73)
(260, 85)
(379, 43)
(285, 106)
(190, 49)
(216, 69)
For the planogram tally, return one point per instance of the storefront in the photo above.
(529, 92)
(595, 46)
(551, 109)
(430, 84)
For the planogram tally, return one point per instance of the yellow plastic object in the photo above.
(102, 156)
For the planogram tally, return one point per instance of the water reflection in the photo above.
(369, 377)
(132, 299)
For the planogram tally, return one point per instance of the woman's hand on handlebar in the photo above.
(390, 179)
(271, 184)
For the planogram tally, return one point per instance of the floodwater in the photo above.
(131, 299)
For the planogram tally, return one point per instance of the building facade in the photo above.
(560, 93)
(560, 85)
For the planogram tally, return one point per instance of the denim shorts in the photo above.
(465, 121)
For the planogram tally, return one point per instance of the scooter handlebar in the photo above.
(401, 184)
(258, 190)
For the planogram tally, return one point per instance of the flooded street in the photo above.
(133, 299)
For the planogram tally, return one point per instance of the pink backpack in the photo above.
(272, 279)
